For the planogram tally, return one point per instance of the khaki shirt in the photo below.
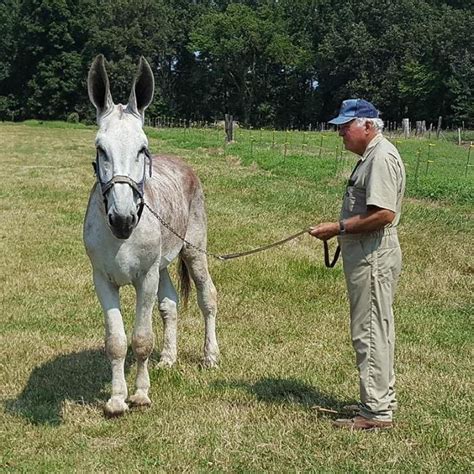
(377, 180)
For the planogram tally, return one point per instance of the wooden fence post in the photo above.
(438, 129)
(420, 127)
(418, 153)
(229, 127)
(406, 127)
(468, 158)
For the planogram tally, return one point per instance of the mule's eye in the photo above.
(141, 152)
(102, 153)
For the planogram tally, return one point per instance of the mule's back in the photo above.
(172, 187)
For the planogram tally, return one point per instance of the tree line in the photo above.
(281, 63)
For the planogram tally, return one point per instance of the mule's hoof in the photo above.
(115, 407)
(166, 363)
(139, 400)
(211, 361)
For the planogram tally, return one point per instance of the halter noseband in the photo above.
(138, 187)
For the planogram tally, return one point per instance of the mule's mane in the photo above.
(123, 110)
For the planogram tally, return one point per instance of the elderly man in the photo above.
(367, 234)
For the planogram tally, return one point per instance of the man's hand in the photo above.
(376, 218)
(325, 231)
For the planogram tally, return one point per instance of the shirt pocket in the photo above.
(355, 200)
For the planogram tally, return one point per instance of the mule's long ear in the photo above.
(142, 89)
(98, 86)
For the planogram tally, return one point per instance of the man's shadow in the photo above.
(288, 391)
(81, 377)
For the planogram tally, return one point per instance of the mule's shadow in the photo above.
(287, 391)
(81, 377)
(84, 377)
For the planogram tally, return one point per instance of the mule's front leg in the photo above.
(143, 339)
(115, 343)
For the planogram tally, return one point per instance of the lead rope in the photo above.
(230, 256)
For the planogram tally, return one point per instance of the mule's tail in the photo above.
(184, 281)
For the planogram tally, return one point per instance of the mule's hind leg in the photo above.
(115, 343)
(196, 263)
(143, 339)
(168, 301)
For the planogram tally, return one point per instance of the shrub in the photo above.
(73, 117)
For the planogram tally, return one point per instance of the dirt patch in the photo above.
(214, 151)
(233, 161)
(253, 166)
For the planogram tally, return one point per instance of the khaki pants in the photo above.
(372, 265)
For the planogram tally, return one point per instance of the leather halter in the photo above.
(138, 187)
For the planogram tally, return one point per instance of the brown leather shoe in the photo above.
(359, 423)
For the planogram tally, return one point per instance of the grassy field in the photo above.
(282, 325)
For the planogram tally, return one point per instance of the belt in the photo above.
(386, 231)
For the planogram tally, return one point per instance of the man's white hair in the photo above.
(376, 122)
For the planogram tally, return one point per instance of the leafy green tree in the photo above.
(454, 60)
(419, 87)
(9, 11)
(287, 63)
(461, 89)
(243, 47)
(49, 67)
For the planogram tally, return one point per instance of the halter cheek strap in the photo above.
(138, 187)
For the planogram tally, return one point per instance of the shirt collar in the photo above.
(371, 145)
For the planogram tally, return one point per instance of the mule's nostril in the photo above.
(122, 225)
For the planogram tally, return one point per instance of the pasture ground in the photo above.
(282, 324)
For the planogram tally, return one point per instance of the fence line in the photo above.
(392, 129)
(424, 159)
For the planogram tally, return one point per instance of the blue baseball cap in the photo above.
(354, 108)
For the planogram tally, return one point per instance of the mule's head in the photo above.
(122, 146)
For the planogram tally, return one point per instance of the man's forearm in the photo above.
(374, 220)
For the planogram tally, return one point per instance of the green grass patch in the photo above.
(57, 124)
(282, 323)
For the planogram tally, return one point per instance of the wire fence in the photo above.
(392, 129)
(436, 167)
